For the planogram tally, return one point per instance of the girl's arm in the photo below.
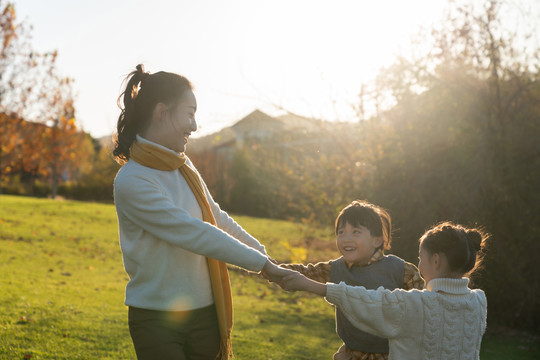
(275, 273)
(378, 312)
(298, 282)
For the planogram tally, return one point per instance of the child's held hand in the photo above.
(274, 273)
(298, 282)
(294, 282)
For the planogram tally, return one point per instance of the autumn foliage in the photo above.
(39, 137)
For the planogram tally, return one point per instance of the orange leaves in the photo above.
(7, 24)
(38, 149)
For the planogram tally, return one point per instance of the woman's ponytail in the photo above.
(126, 128)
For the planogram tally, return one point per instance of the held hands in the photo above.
(290, 280)
(274, 273)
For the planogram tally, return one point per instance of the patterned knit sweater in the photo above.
(445, 321)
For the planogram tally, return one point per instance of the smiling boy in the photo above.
(363, 233)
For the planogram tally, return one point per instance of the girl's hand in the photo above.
(294, 282)
(298, 282)
(274, 273)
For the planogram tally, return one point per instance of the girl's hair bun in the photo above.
(475, 239)
(462, 246)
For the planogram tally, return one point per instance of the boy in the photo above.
(363, 232)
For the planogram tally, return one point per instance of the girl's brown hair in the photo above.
(142, 93)
(373, 217)
(463, 247)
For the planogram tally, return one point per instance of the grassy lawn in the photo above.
(62, 290)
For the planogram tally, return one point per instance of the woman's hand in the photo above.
(298, 282)
(274, 273)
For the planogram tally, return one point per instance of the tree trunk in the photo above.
(54, 182)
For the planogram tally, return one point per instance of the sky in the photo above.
(306, 56)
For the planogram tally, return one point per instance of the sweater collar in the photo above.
(377, 256)
(450, 286)
(142, 140)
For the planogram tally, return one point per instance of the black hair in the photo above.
(374, 218)
(142, 93)
(461, 246)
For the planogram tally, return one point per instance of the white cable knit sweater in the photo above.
(165, 242)
(445, 321)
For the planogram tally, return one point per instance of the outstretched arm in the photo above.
(298, 282)
(274, 273)
(412, 278)
(319, 272)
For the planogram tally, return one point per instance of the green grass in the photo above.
(62, 290)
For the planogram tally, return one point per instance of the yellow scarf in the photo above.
(161, 159)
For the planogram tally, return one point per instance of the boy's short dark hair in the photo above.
(373, 217)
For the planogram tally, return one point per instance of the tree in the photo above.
(460, 142)
(11, 35)
(32, 89)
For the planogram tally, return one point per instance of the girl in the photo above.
(363, 232)
(174, 238)
(444, 321)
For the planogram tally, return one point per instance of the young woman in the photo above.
(445, 321)
(175, 239)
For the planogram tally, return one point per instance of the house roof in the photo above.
(257, 120)
(255, 124)
(297, 122)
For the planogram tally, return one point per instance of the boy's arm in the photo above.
(412, 278)
(319, 272)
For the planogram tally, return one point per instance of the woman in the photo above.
(175, 239)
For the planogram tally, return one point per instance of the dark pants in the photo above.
(178, 335)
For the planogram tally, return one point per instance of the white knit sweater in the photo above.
(445, 321)
(165, 243)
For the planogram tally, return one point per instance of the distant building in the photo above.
(256, 126)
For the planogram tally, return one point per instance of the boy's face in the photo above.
(356, 243)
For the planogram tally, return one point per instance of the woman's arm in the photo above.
(142, 205)
(275, 273)
(227, 223)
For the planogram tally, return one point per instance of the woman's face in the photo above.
(177, 123)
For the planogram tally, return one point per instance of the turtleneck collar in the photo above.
(142, 140)
(450, 286)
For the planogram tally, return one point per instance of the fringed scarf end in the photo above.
(225, 351)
